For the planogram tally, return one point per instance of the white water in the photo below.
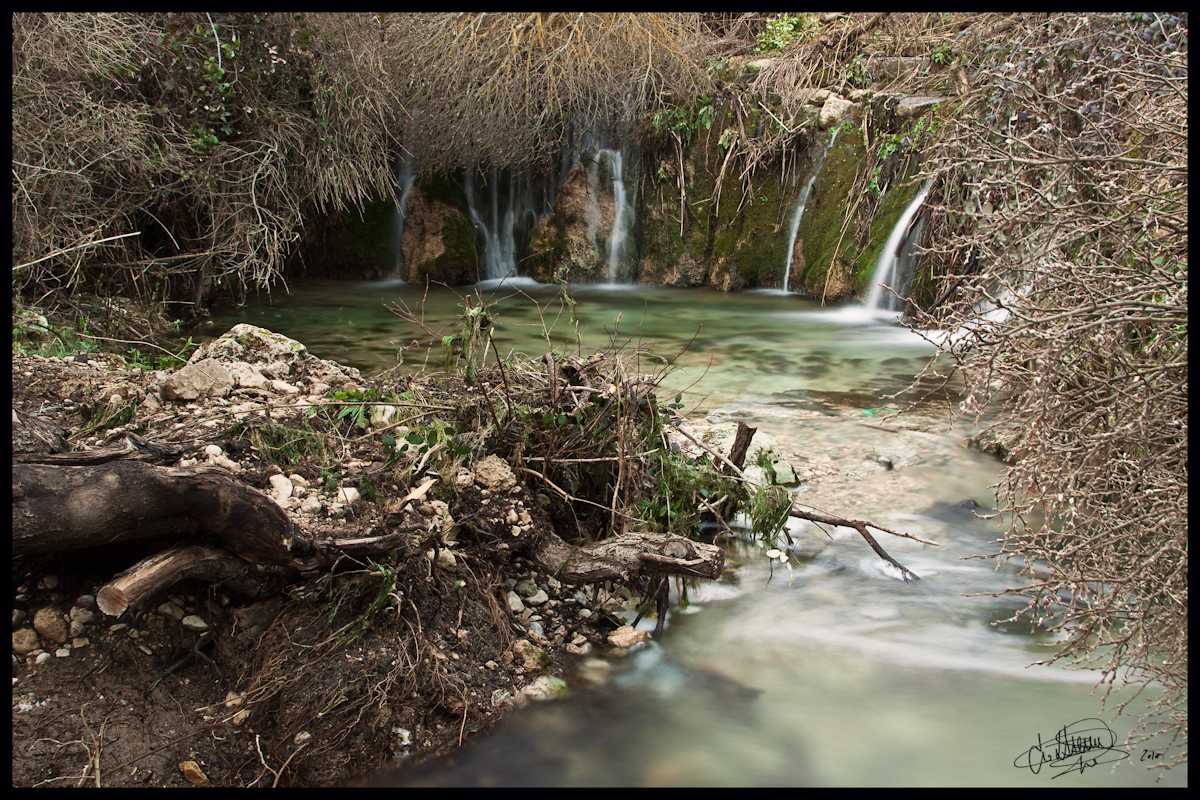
(619, 235)
(498, 222)
(885, 270)
(801, 204)
(404, 183)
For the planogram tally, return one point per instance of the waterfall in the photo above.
(500, 223)
(404, 184)
(886, 271)
(801, 203)
(619, 235)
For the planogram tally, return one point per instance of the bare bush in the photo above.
(1062, 245)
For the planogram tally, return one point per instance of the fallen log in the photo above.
(623, 557)
(64, 508)
(162, 570)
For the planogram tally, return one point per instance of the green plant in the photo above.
(941, 55)
(782, 31)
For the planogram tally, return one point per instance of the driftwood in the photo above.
(623, 557)
(65, 508)
(58, 508)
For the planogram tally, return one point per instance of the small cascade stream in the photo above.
(618, 236)
(404, 183)
(501, 219)
(801, 204)
(889, 269)
(840, 674)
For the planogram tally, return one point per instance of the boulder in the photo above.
(720, 438)
(834, 110)
(204, 378)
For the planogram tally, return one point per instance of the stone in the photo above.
(834, 110)
(627, 636)
(281, 487)
(205, 378)
(310, 505)
(495, 474)
(52, 624)
(348, 495)
(192, 773)
(381, 416)
(25, 641)
(547, 687)
(537, 598)
(526, 588)
(514, 603)
(82, 615)
(913, 107)
(195, 623)
(531, 656)
(720, 438)
(171, 610)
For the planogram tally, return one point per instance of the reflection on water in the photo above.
(845, 676)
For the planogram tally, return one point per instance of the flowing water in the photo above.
(843, 676)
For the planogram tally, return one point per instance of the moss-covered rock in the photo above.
(438, 240)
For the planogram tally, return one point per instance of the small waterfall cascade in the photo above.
(404, 183)
(900, 244)
(802, 203)
(618, 236)
(503, 213)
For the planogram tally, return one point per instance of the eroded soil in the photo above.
(312, 685)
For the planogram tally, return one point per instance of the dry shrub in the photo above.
(1061, 243)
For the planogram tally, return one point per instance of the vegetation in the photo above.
(1062, 244)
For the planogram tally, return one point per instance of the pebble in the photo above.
(195, 623)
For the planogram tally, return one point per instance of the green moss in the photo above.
(458, 262)
(827, 209)
(436, 185)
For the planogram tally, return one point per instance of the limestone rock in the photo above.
(834, 111)
(192, 773)
(627, 636)
(50, 623)
(547, 687)
(532, 656)
(25, 641)
(205, 378)
(720, 438)
(495, 474)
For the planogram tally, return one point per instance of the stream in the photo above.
(839, 674)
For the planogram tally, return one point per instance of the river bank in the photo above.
(385, 659)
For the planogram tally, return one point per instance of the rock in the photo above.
(50, 623)
(381, 416)
(195, 623)
(438, 241)
(720, 438)
(25, 641)
(495, 474)
(310, 505)
(547, 687)
(913, 107)
(834, 111)
(171, 610)
(192, 773)
(537, 598)
(514, 603)
(205, 378)
(627, 636)
(526, 588)
(532, 656)
(595, 672)
(348, 495)
(998, 442)
(464, 478)
(281, 487)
